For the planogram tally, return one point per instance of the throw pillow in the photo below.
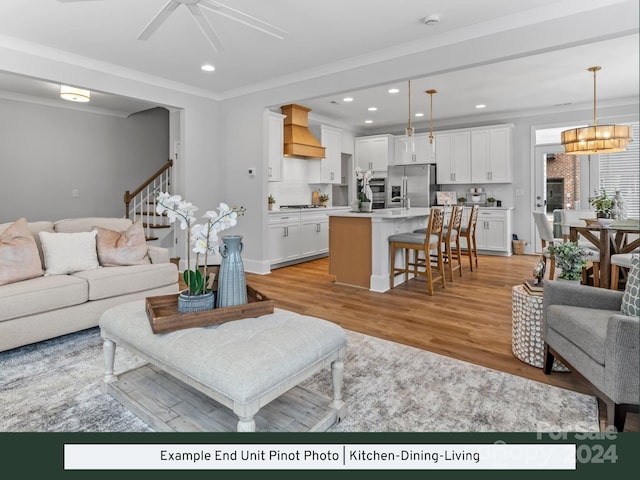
(122, 248)
(631, 300)
(69, 252)
(19, 257)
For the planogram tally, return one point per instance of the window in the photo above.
(621, 171)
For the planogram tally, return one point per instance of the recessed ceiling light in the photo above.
(481, 105)
(368, 121)
(372, 109)
(419, 114)
(393, 90)
(347, 99)
(207, 67)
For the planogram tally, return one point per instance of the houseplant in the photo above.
(364, 189)
(324, 198)
(491, 201)
(271, 200)
(205, 241)
(462, 200)
(602, 203)
(570, 258)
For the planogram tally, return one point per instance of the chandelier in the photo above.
(597, 138)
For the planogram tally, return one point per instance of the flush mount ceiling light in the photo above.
(431, 19)
(432, 146)
(393, 90)
(597, 138)
(347, 99)
(74, 94)
(207, 67)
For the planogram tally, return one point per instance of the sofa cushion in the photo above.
(586, 327)
(19, 257)
(41, 294)
(122, 248)
(69, 252)
(631, 299)
(114, 281)
(35, 228)
(86, 224)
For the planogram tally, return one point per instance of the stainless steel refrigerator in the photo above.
(411, 185)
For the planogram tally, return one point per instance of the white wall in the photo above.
(48, 152)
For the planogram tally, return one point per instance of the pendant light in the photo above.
(431, 152)
(409, 141)
(597, 138)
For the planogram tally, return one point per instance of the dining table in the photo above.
(619, 236)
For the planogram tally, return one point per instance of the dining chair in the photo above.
(468, 233)
(620, 263)
(547, 239)
(412, 244)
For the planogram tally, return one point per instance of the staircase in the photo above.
(141, 205)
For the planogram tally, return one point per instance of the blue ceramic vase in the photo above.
(232, 289)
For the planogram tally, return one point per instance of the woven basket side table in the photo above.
(527, 342)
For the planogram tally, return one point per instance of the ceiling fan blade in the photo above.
(205, 26)
(156, 21)
(243, 18)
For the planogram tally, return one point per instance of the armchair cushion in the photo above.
(631, 299)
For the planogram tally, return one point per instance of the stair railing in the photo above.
(141, 203)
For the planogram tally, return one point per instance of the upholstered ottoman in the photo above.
(242, 364)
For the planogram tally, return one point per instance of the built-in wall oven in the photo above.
(379, 192)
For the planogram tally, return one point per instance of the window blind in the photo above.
(621, 171)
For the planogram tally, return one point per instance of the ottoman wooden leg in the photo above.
(246, 424)
(109, 350)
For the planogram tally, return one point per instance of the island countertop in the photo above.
(384, 213)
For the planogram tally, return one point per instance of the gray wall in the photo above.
(47, 152)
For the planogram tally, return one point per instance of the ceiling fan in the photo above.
(195, 9)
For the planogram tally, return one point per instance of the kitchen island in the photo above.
(359, 244)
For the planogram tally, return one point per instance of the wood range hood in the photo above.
(298, 140)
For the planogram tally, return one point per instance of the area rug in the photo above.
(54, 386)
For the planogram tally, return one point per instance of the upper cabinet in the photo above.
(491, 153)
(420, 153)
(331, 166)
(374, 152)
(453, 157)
(274, 133)
(477, 155)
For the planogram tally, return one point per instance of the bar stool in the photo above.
(451, 238)
(620, 261)
(469, 234)
(416, 243)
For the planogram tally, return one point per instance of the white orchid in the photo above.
(203, 237)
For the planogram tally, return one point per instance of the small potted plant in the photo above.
(570, 258)
(491, 201)
(462, 200)
(271, 200)
(324, 198)
(602, 203)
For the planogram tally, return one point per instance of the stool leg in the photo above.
(392, 269)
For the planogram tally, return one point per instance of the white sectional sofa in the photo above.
(52, 305)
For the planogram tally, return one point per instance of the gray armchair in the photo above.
(585, 328)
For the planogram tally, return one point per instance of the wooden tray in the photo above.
(162, 312)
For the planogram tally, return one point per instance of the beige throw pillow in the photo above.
(126, 248)
(19, 257)
(69, 252)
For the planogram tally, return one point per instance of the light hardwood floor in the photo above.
(469, 320)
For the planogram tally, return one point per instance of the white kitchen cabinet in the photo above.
(491, 154)
(420, 153)
(493, 230)
(298, 235)
(314, 234)
(284, 237)
(375, 152)
(330, 167)
(274, 139)
(453, 157)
